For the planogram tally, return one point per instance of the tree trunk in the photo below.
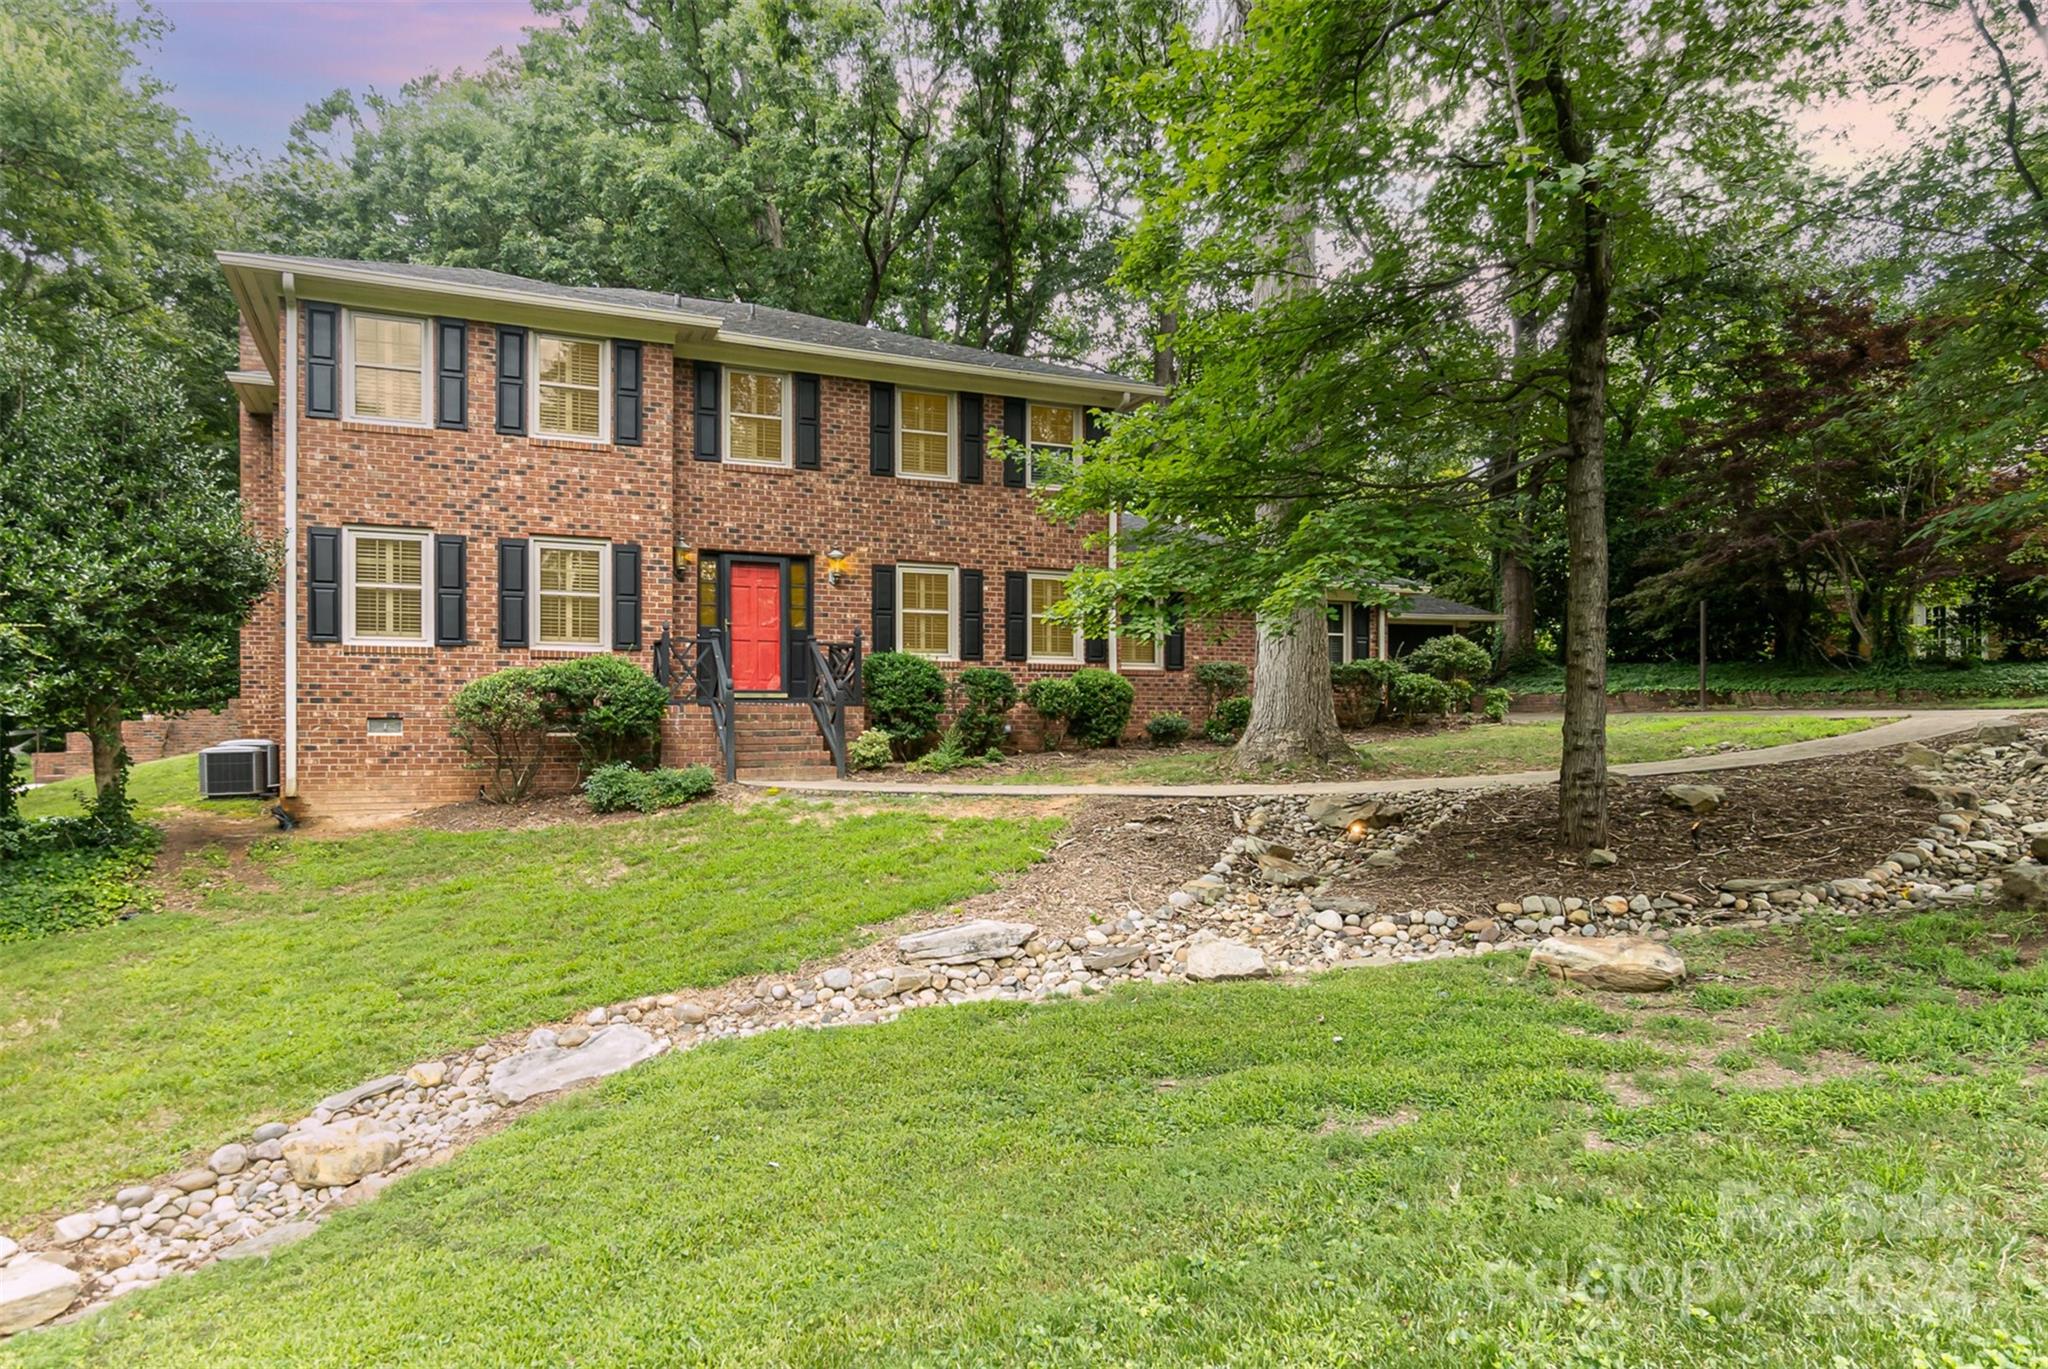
(109, 755)
(1582, 778)
(1294, 711)
(10, 813)
(1517, 607)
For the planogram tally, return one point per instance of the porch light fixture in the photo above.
(836, 562)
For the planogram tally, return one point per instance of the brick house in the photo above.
(471, 470)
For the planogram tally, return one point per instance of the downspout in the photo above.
(1116, 639)
(290, 787)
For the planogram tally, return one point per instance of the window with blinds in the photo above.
(569, 595)
(924, 438)
(387, 369)
(1137, 649)
(568, 387)
(924, 610)
(1050, 434)
(1050, 640)
(387, 586)
(756, 430)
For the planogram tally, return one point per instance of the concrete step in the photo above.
(787, 772)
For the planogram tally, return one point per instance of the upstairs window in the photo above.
(387, 370)
(924, 435)
(758, 431)
(1051, 640)
(1051, 430)
(386, 577)
(569, 604)
(1137, 650)
(568, 392)
(924, 610)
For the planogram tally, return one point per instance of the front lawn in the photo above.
(1998, 682)
(318, 964)
(159, 789)
(1479, 749)
(1447, 1164)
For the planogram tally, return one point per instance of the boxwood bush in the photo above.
(616, 787)
(905, 695)
(1167, 728)
(1054, 700)
(1450, 657)
(1102, 706)
(613, 706)
(1228, 722)
(986, 698)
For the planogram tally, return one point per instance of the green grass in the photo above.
(1478, 750)
(158, 788)
(1424, 1165)
(2001, 681)
(125, 1048)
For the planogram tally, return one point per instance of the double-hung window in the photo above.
(1050, 431)
(1051, 640)
(926, 624)
(924, 435)
(386, 578)
(568, 603)
(385, 380)
(757, 427)
(1137, 650)
(1342, 618)
(568, 390)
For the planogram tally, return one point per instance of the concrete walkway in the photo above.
(1913, 725)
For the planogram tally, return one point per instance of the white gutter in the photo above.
(289, 401)
(1116, 639)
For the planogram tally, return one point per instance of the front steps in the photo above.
(779, 740)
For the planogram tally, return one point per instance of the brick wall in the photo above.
(148, 738)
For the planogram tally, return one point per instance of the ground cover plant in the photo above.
(1443, 1164)
(318, 963)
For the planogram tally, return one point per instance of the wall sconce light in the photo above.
(836, 563)
(686, 556)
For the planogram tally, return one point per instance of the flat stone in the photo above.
(1757, 886)
(34, 1291)
(1697, 799)
(1114, 957)
(1342, 905)
(265, 1244)
(1599, 858)
(428, 1074)
(981, 939)
(1340, 813)
(76, 1227)
(1222, 959)
(348, 1098)
(1625, 964)
(1279, 867)
(2025, 885)
(2002, 733)
(1946, 795)
(269, 1131)
(340, 1153)
(1917, 756)
(529, 1073)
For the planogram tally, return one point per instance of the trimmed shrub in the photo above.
(1450, 657)
(1102, 706)
(1167, 728)
(1054, 700)
(1420, 698)
(1229, 721)
(1219, 680)
(613, 706)
(987, 696)
(502, 721)
(1361, 689)
(1496, 703)
(905, 696)
(615, 787)
(869, 751)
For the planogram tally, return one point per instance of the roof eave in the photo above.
(256, 390)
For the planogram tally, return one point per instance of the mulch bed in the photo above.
(1810, 820)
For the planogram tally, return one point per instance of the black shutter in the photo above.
(451, 590)
(1176, 637)
(1016, 614)
(884, 601)
(451, 373)
(970, 615)
(881, 428)
(1013, 429)
(1095, 650)
(973, 424)
(807, 449)
(323, 361)
(323, 584)
(512, 591)
(1361, 632)
(626, 393)
(512, 386)
(707, 411)
(625, 596)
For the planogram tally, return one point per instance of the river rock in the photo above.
(2025, 885)
(1224, 959)
(1338, 812)
(1626, 964)
(34, 1291)
(2001, 733)
(340, 1153)
(1697, 799)
(531, 1072)
(361, 1093)
(982, 939)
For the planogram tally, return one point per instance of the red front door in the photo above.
(756, 592)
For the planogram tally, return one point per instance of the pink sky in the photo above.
(243, 70)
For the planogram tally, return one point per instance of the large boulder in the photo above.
(2001, 733)
(1339, 812)
(1625, 964)
(547, 1068)
(1919, 756)
(34, 1291)
(1955, 797)
(2025, 885)
(341, 1152)
(1697, 799)
(1279, 867)
(982, 939)
(1219, 958)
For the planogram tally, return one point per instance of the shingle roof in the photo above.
(1436, 606)
(738, 322)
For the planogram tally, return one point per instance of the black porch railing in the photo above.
(698, 672)
(835, 683)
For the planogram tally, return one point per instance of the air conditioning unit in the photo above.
(243, 768)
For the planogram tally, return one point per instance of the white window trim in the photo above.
(349, 635)
(348, 370)
(952, 574)
(604, 592)
(1347, 619)
(604, 390)
(1031, 480)
(1031, 655)
(726, 416)
(952, 475)
(1158, 661)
